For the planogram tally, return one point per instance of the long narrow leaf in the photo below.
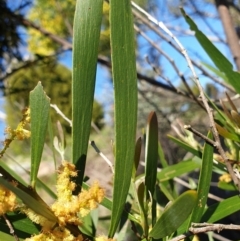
(204, 182)
(151, 153)
(39, 110)
(151, 159)
(221, 210)
(125, 96)
(174, 215)
(177, 170)
(86, 29)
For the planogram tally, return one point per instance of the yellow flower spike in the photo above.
(67, 206)
(7, 200)
(89, 199)
(36, 218)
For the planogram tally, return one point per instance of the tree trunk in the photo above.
(232, 38)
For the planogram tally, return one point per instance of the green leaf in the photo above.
(86, 29)
(37, 206)
(177, 170)
(137, 156)
(187, 147)
(7, 237)
(174, 215)
(151, 154)
(39, 111)
(161, 155)
(227, 186)
(151, 159)
(221, 62)
(216, 71)
(204, 181)
(125, 98)
(221, 209)
(23, 226)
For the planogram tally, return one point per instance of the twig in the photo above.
(197, 133)
(202, 94)
(92, 143)
(207, 227)
(55, 107)
(12, 232)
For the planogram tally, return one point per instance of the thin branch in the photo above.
(11, 229)
(197, 133)
(58, 111)
(207, 227)
(92, 143)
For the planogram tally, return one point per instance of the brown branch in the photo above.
(232, 38)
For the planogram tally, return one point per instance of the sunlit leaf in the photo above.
(174, 215)
(177, 170)
(221, 209)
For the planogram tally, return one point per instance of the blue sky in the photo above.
(103, 85)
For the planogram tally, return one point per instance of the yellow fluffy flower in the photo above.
(67, 206)
(7, 200)
(89, 199)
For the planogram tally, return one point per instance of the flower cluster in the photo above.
(7, 200)
(68, 208)
(20, 133)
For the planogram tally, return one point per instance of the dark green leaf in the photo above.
(137, 155)
(86, 29)
(39, 111)
(151, 154)
(204, 181)
(125, 97)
